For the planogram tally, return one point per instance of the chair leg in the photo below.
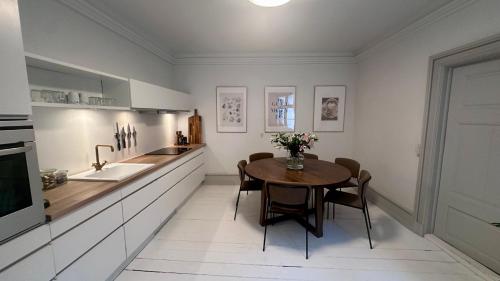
(307, 238)
(327, 210)
(368, 214)
(247, 192)
(237, 202)
(333, 211)
(367, 229)
(265, 233)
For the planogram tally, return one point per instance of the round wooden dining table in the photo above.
(316, 174)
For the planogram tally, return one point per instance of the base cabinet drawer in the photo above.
(136, 202)
(178, 194)
(140, 227)
(100, 262)
(80, 239)
(38, 266)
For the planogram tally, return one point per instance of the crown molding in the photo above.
(269, 59)
(89, 11)
(435, 16)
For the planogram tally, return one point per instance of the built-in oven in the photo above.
(21, 199)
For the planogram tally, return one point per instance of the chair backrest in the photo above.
(364, 180)
(310, 156)
(287, 194)
(260, 155)
(352, 165)
(241, 169)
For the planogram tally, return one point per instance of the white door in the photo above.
(469, 195)
(14, 94)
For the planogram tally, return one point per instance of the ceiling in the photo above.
(233, 27)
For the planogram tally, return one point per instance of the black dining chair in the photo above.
(353, 166)
(245, 184)
(287, 200)
(260, 155)
(357, 201)
(310, 156)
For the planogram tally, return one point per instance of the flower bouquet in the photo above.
(295, 143)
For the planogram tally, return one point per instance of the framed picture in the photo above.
(329, 108)
(231, 109)
(280, 109)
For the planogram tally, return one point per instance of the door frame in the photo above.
(435, 120)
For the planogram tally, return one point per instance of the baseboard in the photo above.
(401, 215)
(474, 266)
(214, 179)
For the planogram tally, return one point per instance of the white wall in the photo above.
(54, 30)
(226, 149)
(391, 96)
(65, 137)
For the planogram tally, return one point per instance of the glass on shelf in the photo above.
(36, 96)
(94, 101)
(50, 96)
(107, 101)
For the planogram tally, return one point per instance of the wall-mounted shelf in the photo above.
(79, 106)
(50, 74)
(42, 62)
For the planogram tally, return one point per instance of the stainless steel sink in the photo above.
(112, 172)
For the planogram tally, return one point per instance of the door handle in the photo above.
(16, 150)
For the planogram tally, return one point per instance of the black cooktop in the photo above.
(169, 151)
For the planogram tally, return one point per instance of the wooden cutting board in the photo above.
(195, 128)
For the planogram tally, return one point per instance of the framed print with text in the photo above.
(280, 109)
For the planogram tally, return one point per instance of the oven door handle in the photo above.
(16, 150)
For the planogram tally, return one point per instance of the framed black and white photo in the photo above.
(329, 108)
(231, 109)
(280, 109)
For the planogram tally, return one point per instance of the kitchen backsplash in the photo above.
(66, 137)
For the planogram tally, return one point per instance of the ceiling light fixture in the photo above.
(269, 3)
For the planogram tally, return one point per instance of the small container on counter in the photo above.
(52, 178)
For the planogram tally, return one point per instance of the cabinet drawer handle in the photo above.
(497, 224)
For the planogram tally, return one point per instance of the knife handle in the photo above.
(117, 137)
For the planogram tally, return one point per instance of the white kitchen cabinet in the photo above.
(140, 227)
(148, 96)
(137, 201)
(19, 247)
(181, 191)
(38, 266)
(100, 262)
(65, 223)
(80, 239)
(143, 181)
(14, 93)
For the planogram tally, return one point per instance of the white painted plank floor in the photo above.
(202, 242)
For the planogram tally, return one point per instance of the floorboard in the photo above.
(203, 242)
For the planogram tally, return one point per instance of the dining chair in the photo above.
(245, 184)
(260, 155)
(353, 166)
(357, 201)
(287, 200)
(310, 156)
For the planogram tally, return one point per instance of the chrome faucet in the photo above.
(98, 166)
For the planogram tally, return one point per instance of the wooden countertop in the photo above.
(75, 194)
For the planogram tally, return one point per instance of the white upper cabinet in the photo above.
(14, 93)
(148, 96)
